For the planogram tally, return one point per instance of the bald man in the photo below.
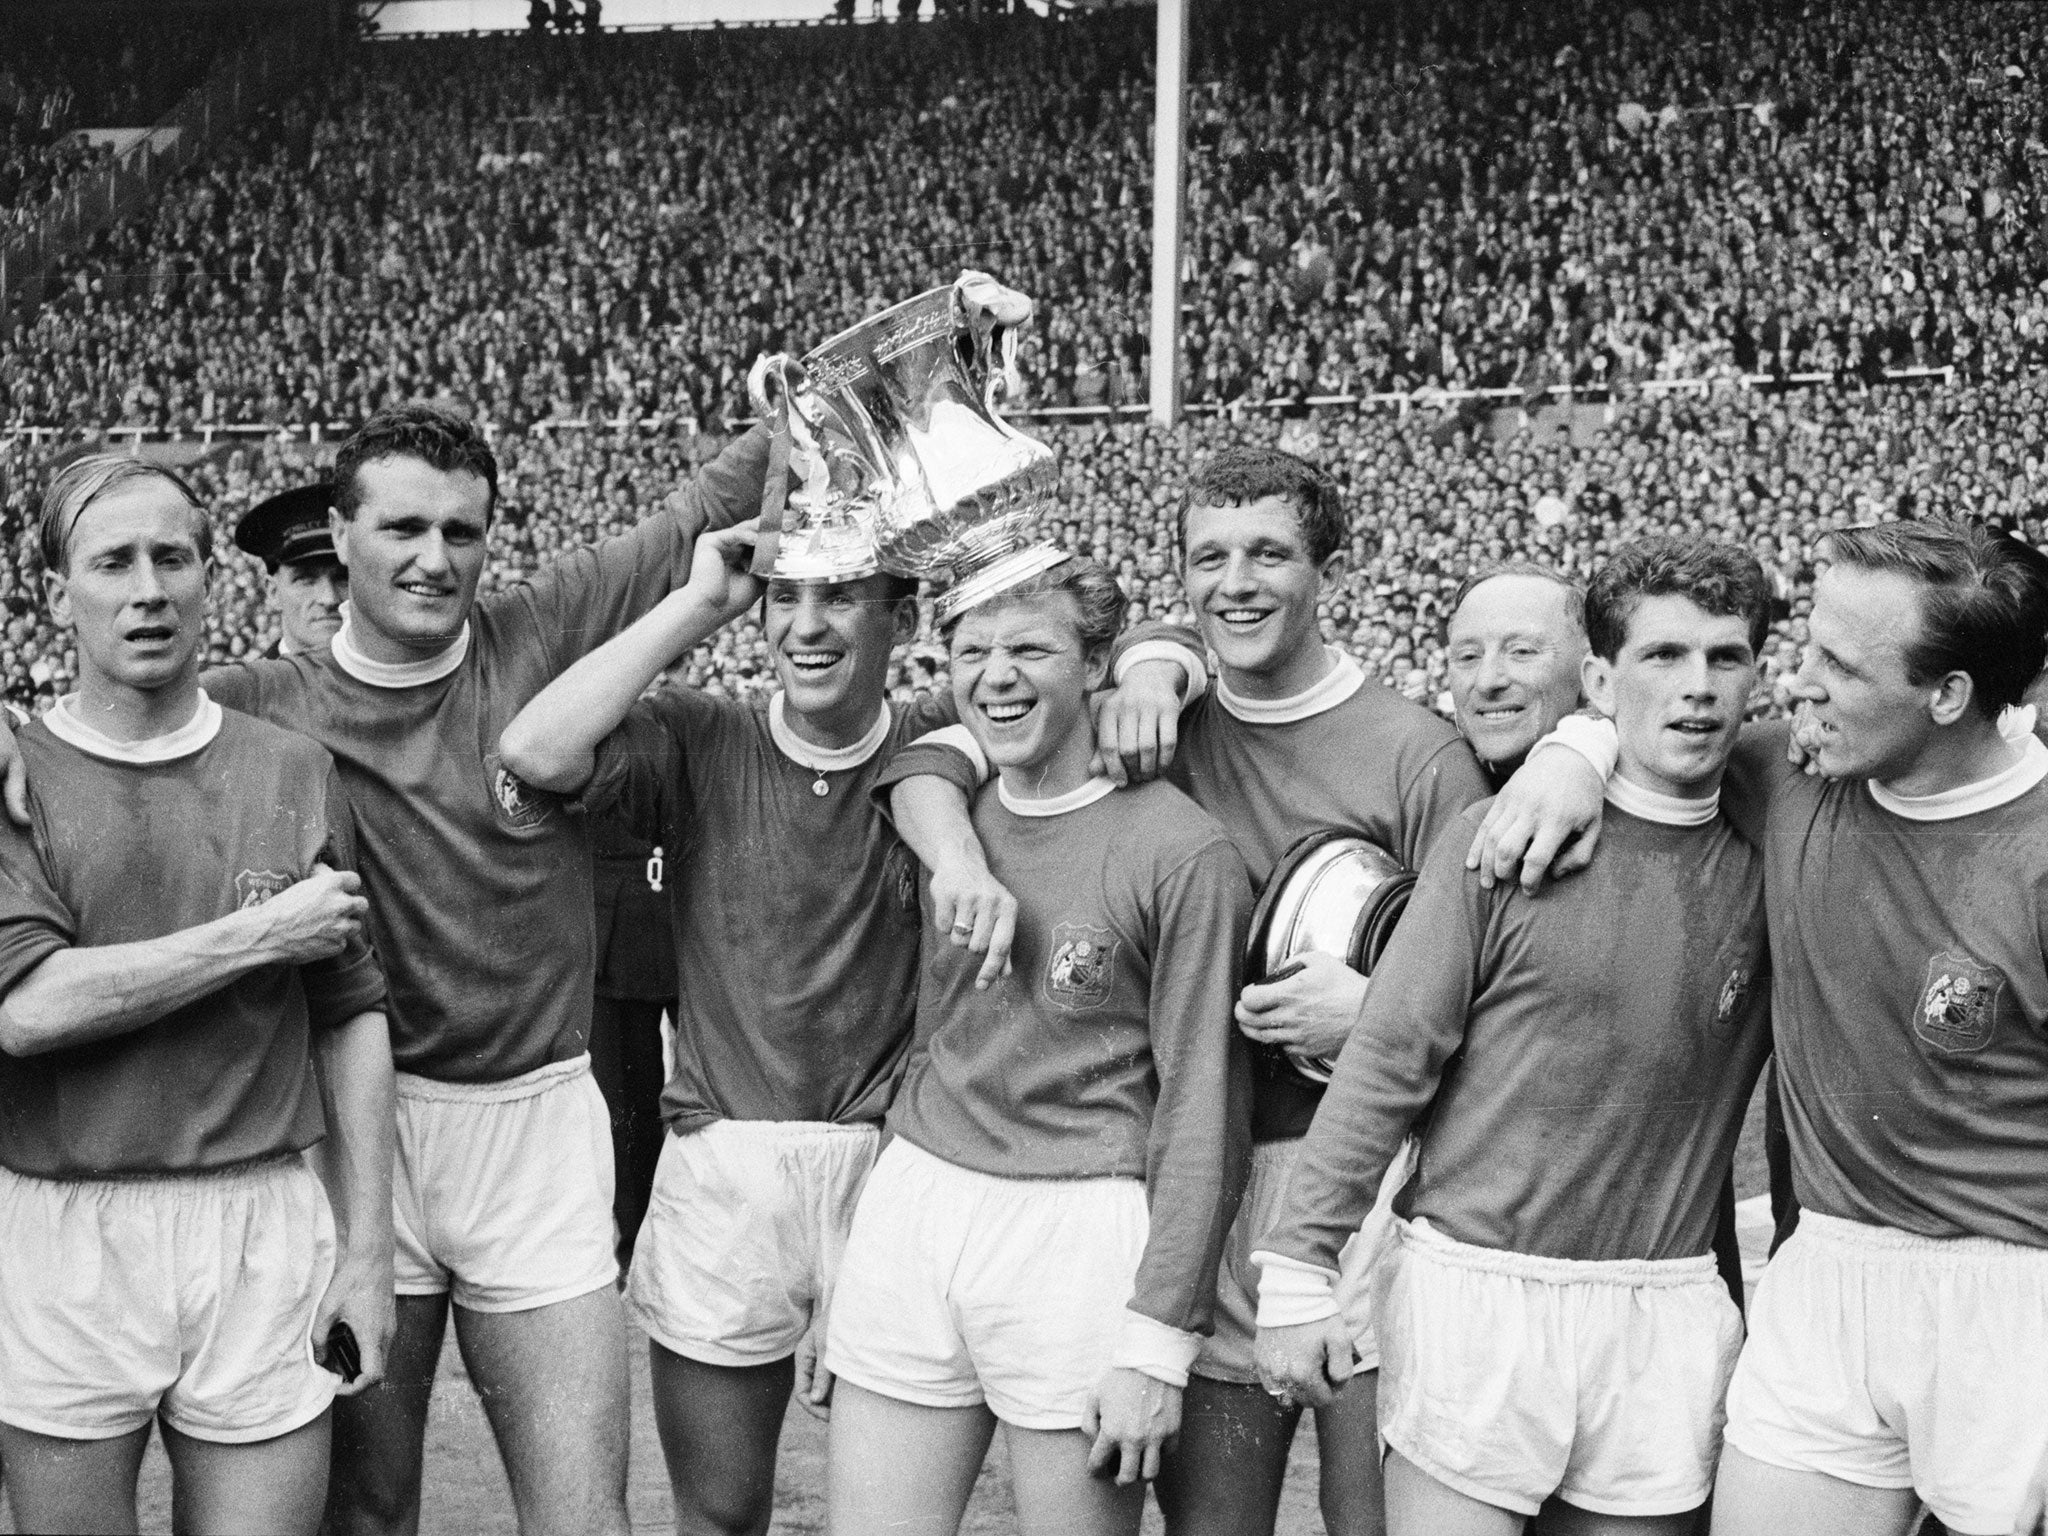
(1516, 636)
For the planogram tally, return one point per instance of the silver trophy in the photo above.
(899, 459)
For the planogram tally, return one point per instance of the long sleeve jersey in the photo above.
(795, 915)
(122, 851)
(1583, 1057)
(1909, 941)
(1348, 754)
(1109, 1051)
(480, 889)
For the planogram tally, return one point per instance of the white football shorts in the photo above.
(502, 1192)
(1228, 1354)
(961, 1288)
(743, 1236)
(1892, 1360)
(1511, 1377)
(187, 1294)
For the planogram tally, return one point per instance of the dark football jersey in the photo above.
(120, 852)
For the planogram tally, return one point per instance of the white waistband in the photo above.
(524, 1086)
(1866, 1237)
(783, 1132)
(1440, 1249)
(254, 1170)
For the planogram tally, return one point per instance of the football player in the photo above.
(1554, 1325)
(1037, 1245)
(181, 943)
(796, 922)
(1899, 1338)
(480, 896)
(1294, 739)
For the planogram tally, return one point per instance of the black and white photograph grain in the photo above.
(1023, 768)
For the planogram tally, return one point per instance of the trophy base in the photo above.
(998, 576)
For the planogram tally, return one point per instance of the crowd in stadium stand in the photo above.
(60, 74)
(1380, 198)
(1386, 198)
(1431, 495)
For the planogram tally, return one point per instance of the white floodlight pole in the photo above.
(1169, 157)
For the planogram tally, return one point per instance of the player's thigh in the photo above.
(1056, 1493)
(1223, 1474)
(1353, 1496)
(1754, 1498)
(554, 1385)
(373, 1486)
(1419, 1505)
(62, 1485)
(900, 1469)
(271, 1487)
(1562, 1519)
(719, 1426)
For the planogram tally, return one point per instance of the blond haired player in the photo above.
(177, 952)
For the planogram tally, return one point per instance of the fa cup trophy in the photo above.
(900, 459)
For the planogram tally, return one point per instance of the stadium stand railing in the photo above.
(1426, 398)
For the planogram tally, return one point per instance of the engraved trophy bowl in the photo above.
(895, 432)
(1332, 893)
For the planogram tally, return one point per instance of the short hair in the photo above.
(1574, 594)
(1240, 475)
(1722, 579)
(83, 481)
(1984, 610)
(1101, 601)
(437, 435)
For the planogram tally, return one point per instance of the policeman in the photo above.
(289, 534)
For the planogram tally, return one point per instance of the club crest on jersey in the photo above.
(518, 802)
(1959, 1003)
(1080, 974)
(253, 887)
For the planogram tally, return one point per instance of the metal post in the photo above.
(1169, 150)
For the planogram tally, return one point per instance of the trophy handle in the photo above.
(987, 317)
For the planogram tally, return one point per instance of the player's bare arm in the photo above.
(80, 995)
(1129, 1418)
(358, 1095)
(552, 743)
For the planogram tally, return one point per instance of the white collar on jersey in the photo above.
(1968, 799)
(68, 726)
(1344, 678)
(393, 674)
(1089, 792)
(1653, 805)
(824, 759)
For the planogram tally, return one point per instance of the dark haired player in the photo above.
(1037, 1245)
(1294, 739)
(176, 955)
(1899, 1339)
(481, 911)
(795, 920)
(1554, 1325)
